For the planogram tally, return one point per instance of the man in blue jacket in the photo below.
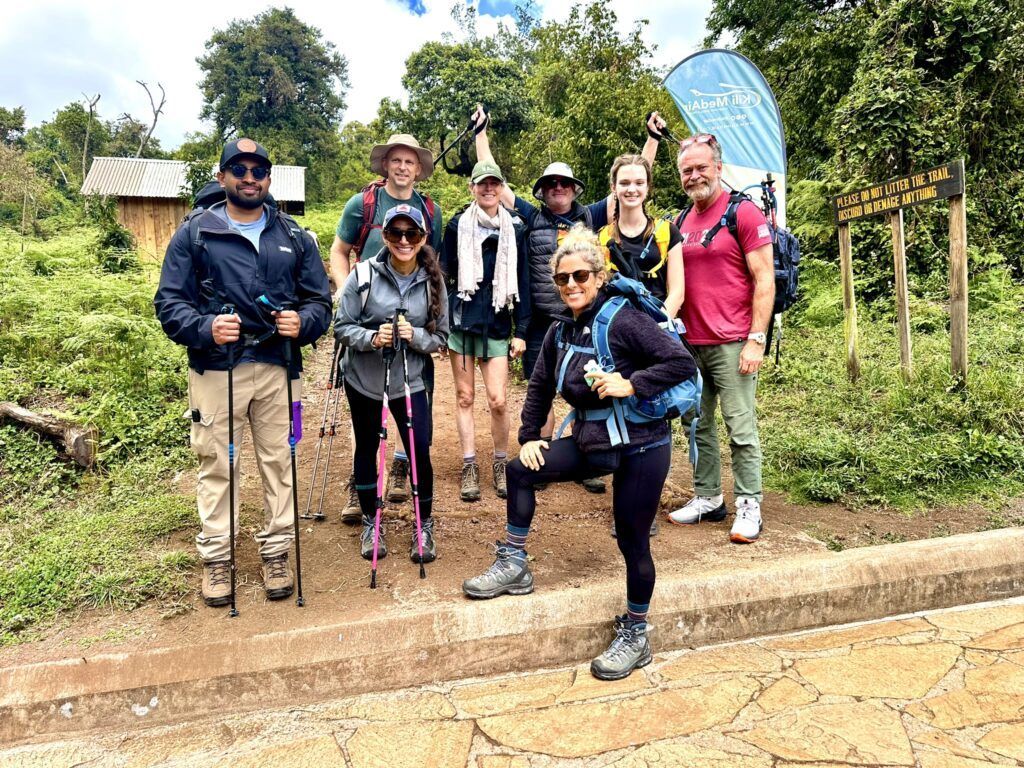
(228, 256)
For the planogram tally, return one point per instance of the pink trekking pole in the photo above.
(412, 454)
(382, 461)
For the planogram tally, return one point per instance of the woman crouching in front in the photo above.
(647, 362)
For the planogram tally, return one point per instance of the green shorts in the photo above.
(476, 345)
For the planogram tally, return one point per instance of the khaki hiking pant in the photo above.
(261, 402)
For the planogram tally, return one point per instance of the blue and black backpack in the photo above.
(672, 403)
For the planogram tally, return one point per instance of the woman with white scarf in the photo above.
(484, 261)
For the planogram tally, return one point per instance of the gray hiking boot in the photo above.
(629, 650)
(500, 485)
(429, 547)
(351, 513)
(278, 582)
(366, 539)
(217, 583)
(398, 489)
(593, 484)
(508, 574)
(470, 482)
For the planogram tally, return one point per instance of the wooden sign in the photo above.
(890, 198)
(917, 188)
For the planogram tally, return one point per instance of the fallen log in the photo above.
(78, 441)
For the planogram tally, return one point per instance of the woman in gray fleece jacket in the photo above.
(397, 298)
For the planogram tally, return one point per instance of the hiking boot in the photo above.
(217, 583)
(654, 528)
(747, 526)
(470, 482)
(429, 547)
(509, 574)
(707, 508)
(351, 513)
(500, 485)
(366, 539)
(277, 577)
(593, 484)
(629, 650)
(398, 489)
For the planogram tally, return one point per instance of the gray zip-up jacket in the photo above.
(357, 321)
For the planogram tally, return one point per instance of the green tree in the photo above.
(12, 125)
(274, 78)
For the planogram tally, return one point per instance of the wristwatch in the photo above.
(760, 337)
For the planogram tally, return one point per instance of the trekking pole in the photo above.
(338, 385)
(455, 142)
(320, 439)
(229, 309)
(389, 355)
(412, 450)
(292, 440)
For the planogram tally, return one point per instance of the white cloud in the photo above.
(53, 51)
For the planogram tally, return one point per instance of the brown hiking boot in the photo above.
(351, 513)
(217, 583)
(470, 482)
(398, 489)
(500, 486)
(277, 577)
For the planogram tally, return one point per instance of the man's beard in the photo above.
(248, 203)
(698, 193)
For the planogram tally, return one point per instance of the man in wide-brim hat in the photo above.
(401, 162)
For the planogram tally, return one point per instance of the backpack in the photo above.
(672, 403)
(661, 236)
(785, 252)
(370, 194)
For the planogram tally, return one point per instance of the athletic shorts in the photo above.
(476, 345)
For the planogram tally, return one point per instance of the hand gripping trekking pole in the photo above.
(382, 462)
(412, 449)
(263, 301)
(329, 389)
(228, 309)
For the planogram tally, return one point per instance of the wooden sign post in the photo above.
(890, 198)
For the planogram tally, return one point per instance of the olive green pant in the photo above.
(735, 392)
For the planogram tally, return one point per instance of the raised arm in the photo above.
(654, 126)
(483, 150)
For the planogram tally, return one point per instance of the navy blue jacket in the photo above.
(196, 281)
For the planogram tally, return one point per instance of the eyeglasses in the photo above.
(699, 138)
(259, 173)
(394, 235)
(558, 182)
(581, 276)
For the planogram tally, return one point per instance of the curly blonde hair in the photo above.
(582, 242)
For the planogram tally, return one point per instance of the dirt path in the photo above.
(570, 542)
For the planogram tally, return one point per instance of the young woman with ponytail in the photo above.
(404, 279)
(640, 246)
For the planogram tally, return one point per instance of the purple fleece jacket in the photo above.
(643, 353)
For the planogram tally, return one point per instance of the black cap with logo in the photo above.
(241, 148)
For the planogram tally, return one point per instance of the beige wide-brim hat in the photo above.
(380, 151)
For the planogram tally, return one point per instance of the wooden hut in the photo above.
(149, 201)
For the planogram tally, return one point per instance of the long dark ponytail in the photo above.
(427, 259)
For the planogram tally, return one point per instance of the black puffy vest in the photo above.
(541, 244)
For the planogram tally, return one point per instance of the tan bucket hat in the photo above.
(380, 151)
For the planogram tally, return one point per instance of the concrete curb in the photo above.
(467, 639)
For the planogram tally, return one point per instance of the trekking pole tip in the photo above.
(300, 601)
(233, 613)
(423, 571)
(373, 580)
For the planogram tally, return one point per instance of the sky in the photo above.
(53, 52)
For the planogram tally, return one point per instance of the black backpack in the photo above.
(785, 249)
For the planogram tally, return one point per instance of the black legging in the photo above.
(639, 475)
(366, 412)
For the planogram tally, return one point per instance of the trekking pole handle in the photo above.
(398, 341)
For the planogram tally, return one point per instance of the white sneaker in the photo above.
(709, 508)
(747, 526)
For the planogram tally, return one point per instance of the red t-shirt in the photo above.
(719, 300)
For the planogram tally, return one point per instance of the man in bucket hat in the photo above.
(401, 162)
(557, 189)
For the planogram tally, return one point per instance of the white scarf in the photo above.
(475, 226)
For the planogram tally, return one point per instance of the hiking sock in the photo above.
(637, 611)
(367, 498)
(500, 455)
(515, 537)
(470, 459)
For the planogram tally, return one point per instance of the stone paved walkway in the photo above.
(939, 690)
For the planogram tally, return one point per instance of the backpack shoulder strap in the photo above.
(662, 235)
(600, 326)
(370, 193)
(681, 217)
(428, 209)
(364, 277)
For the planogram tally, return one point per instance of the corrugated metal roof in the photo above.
(139, 177)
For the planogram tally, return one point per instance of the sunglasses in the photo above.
(700, 138)
(394, 235)
(259, 173)
(581, 276)
(557, 182)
